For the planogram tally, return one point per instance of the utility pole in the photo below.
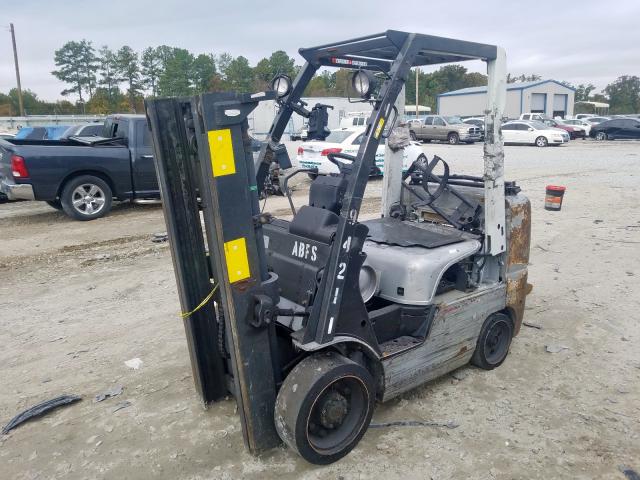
(15, 61)
(417, 72)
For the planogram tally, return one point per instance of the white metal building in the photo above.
(543, 96)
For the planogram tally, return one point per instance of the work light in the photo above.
(282, 85)
(364, 83)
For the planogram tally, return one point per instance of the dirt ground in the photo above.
(77, 300)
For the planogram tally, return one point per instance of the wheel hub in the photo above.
(334, 410)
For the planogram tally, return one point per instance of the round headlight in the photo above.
(363, 82)
(282, 85)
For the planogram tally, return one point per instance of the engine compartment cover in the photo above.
(410, 234)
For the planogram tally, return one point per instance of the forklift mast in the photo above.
(206, 171)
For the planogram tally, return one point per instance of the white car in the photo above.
(595, 120)
(533, 133)
(574, 122)
(584, 116)
(347, 140)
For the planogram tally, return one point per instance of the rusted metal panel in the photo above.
(451, 342)
(518, 245)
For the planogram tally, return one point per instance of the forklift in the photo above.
(308, 323)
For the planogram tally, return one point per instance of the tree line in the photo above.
(107, 80)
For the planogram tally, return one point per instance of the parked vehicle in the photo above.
(83, 130)
(41, 133)
(617, 128)
(7, 135)
(585, 116)
(83, 175)
(573, 131)
(533, 133)
(478, 122)
(411, 114)
(346, 140)
(596, 120)
(586, 126)
(354, 119)
(534, 117)
(302, 134)
(446, 128)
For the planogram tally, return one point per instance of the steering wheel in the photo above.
(426, 169)
(345, 156)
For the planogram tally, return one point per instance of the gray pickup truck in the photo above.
(83, 175)
(445, 128)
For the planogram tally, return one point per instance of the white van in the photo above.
(354, 119)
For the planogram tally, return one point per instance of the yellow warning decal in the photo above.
(235, 252)
(221, 150)
(379, 128)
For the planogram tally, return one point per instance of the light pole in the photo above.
(15, 61)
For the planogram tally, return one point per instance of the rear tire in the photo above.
(55, 204)
(601, 136)
(453, 138)
(324, 407)
(542, 141)
(494, 342)
(86, 198)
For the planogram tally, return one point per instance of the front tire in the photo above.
(601, 136)
(324, 407)
(494, 342)
(453, 139)
(86, 198)
(55, 204)
(542, 142)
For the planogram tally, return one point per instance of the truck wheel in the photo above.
(453, 138)
(494, 342)
(413, 137)
(324, 407)
(86, 198)
(55, 204)
(542, 141)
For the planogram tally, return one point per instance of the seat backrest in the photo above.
(315, 223)
(327, 192)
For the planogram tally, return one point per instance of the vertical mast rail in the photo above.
(494, 207)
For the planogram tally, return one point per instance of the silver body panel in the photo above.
(414, 271)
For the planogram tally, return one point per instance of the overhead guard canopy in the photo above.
(377, 52)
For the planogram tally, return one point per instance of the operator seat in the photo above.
(318, 220)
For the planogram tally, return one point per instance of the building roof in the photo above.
(510, 86)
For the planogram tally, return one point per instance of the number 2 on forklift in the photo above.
(340, 314)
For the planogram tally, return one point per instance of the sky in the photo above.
(582, 41)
